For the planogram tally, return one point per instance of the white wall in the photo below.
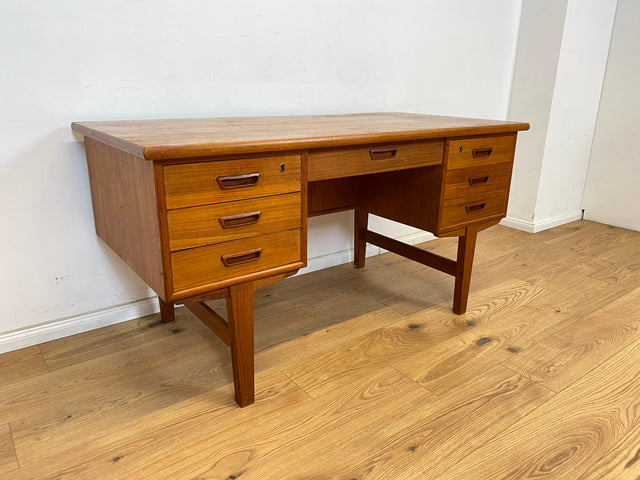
(612, 191)
(534, 79)
(551, 165)
(82, 60)
(581, 68)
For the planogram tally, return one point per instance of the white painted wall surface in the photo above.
(534, 79)
(581, 68)
(612, 191)
(81, 60)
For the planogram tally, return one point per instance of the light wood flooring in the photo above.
(360, 374)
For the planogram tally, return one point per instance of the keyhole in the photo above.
(460, 148)
(281, 167)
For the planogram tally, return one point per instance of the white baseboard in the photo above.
(78, 324)
(121, 313)
(540, 225)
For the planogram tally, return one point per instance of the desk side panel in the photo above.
(125, 209)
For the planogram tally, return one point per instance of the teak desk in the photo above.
(216, 207)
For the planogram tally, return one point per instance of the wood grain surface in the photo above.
(197, 137)
(360, 374)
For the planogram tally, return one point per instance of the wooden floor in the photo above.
(361, 374)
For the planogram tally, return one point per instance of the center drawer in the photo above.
(222, 222)
(202, 183)
(326, 163)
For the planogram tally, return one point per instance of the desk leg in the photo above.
(240, 314)
(360, 244)
(167, 312)
(464, 263)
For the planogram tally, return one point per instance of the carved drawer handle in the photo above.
(381, 153)
(238, 181)
(474, 208)
(241, 220)
(241, 257)
(481, 152)
(477, 180)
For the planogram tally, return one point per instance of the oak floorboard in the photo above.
(322, 372)
(130, 401)
(21, 364)
(289, 442)
(160, 438)
(8, 459)
(129, 375)
(435, 435)
(623, 267)
(326, 337)
(566, 435)
(452, 362)
(591, 237)
(102, 342)
(404, 287)
(621, 462)
(558, 360)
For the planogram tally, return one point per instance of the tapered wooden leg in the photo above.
(167, 312)
(464, 264)
(360, 245)
(240, 314)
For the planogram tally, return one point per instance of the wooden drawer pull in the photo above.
(381, 153)
(238, 181)
(242, 257)
(474, 208)
(477, 180)
(481, 152)
(241, 220)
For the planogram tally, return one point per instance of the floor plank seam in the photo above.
(44, 360)
(296, 384)
(13, 446)
(412, 380)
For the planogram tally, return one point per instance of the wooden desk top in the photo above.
(197, 137)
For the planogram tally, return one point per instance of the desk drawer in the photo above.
(223, 222)
(470, 152)
(202, 183)
(326, 163)
(216, 263)
(463, 210)
(469, 181)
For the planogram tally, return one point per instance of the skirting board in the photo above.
(78, 324)
(540, 225)
(121, 313)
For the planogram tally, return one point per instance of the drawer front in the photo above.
(216, 263)
(469, 181)
(202, 183)
(457, 212)
(326, 163)
(223, 222)
(470, 152)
